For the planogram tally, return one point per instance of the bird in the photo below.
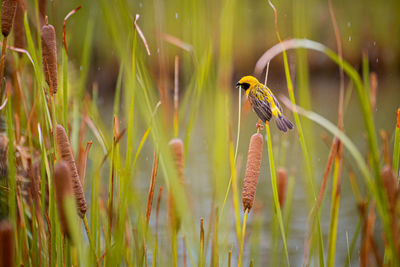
(264, 103)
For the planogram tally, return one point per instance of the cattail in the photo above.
(252, 170)
(49, 56)
(282, 182)
(42, 11)
(8, 8)
(63, 187)
(64, 149)
(19, 28)
(176, 146)
(6, 244)
(390, 183)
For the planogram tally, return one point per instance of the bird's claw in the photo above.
(259, 126)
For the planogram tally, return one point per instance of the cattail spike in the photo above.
(176, 146)
(49, 56)
(252, 170)
(64, 149)
(8, 9)
(42, 11)
(6, 244)
(63, 188)
(19, 28)
(282, 182)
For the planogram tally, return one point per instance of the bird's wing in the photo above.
(277, 103)
(261, 107)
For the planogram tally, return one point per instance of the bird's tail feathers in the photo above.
(283, 123)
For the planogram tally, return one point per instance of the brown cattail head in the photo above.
(63, 187)
(8, 8)
(19, 28)
(282, 183)
(6, 244)
(42, 11)
(176, 146)
(49, 56)
(3, 156)
(390, 184)
(65, 152)
(252, 170)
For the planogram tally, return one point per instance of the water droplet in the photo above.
(140, 5)
(374, 43)
(158, 50)
(349, 38)
(348, 24)
(176, 15)
(377, 60)
(81, 67)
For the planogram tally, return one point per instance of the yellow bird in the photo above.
(264, 102)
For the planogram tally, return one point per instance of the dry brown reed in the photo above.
(6, 245)
(19, 28)
(151, 188)
(63, 189)
(282, 184)
(398, 119)
(367, 236)
(385, 147)
(49, 56)
(64, 149)
(8, 9)
(252, 171)
(373, 80)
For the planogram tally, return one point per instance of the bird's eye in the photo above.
(245, 86)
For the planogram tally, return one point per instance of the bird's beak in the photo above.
(238, 84)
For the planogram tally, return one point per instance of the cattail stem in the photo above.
(246, 212)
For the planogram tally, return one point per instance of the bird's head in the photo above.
(247, 82)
